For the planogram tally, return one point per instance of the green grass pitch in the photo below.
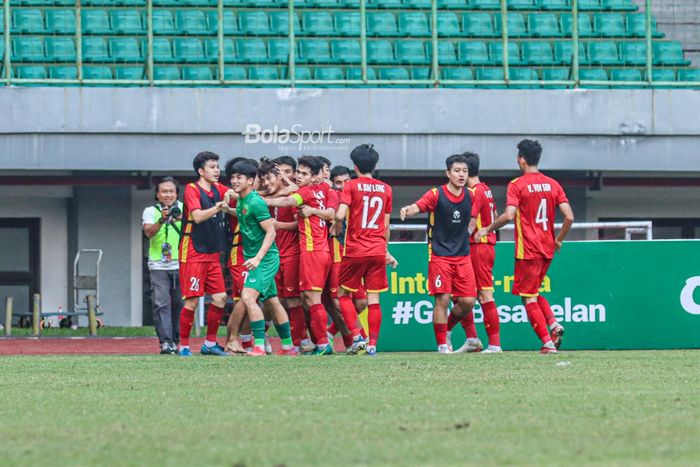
(629, 408)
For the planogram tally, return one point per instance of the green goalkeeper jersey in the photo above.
(251, 211)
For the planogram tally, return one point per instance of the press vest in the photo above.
(448, 226)
(208, 236)
(169, 233)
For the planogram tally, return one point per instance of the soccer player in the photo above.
(315, 258)
(365, 205)
(450, 272)
(203, 240)
(530, 201)
(261, 260)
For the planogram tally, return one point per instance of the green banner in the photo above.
(607, 294)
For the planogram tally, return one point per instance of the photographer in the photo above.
(162, 225)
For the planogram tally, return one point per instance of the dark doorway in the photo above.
(19, 262)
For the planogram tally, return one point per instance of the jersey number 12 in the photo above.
(374, 203)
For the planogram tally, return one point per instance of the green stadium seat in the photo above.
(166, 73)
(522, 74)
(346, 51)
(585, 28)
(235, 73)
(669, 53)
(538, 53)
(2, 21)
(626, 74)
(355, 74)
(300, 73)
(347, 23)
(418, 4)
(251, 51)
(516, 25)
(109, 2)
(411, 52)
(314, 51)
(543, 25)
(263, 73)
(329, 73)
(496, 53)
(211, 50)
(27, 21)
(474, 53)
(95, 50)
(95, 22)
(448, 24)
(265, 3)
(564, 53)
(484, 4)
(490, 74)
(354, 4)
(414, 24)
(130, 73)
(447, 54)
(279, 23)
(189, 50)
(63, 72)
(325, 3)
(127, 22)
(317, 23)
(380, 51)
(421, 73)
(637, 26)
(60, 49)
(164, 23)
(593, 74)
(191, 23)
(278, 50)
(97, 72)
(60, 21)
(603, 53)
(381, 23)
(464, 74)
(633, 53)
(197, 73)
(478, 24)
(394, 73)
(28, 49)
(589, 5)
(162, 50)
(555, 74)
(609, 25)
(230, 24)
(255, 23)
(124, 49)
(557, 5)
(452, 4)
(662, 74)
(521, 5)
(618, 5)
(31, 72)
(689, 74)
(389, 4)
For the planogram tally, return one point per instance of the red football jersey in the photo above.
(191, 203)
(368, 200)
(235, 257)
(485, 206)
(535, 196)
(428, 202)
(287, 240)
(313, 231)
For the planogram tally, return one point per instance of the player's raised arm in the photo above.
(409, 211)
(283, 202)
(568, 214)
(327, 214)
(341, 213)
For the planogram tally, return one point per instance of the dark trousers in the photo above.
(167, 304)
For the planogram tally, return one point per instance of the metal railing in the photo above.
(292, 81)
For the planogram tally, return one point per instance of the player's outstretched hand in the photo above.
(480, 233)
(391, 261)
(404, 213)
(557, 246)
(251, 264)
(336, 228)
(305, 211)
(221, 205)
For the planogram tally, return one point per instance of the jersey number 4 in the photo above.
(541, 217)
(374, 204)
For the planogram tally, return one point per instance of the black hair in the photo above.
(455, 159)
(472, 163)
(530, 150)
(340, 170)
(202, 158)
(228, 168)
(325, 160)
(245, 167)
(286, 160)
(267, 167)
(365, 158)
(313, 163)
(167, 179)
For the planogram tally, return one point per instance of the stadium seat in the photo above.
(164, 23)
(496, 53)
(585, 29)
(188, 50)
(347, 23)
(474, 53)
(230, 25)
(346, 51)
(669, 53)
(589, 5)
(689, 74)
(28, 49)
(278, 50)
(108, 2)
(411, 52)
(637, 26)
(314, 51)
(452, 5)
(279, 23)
(603, 53)
(329, 73)
(564, 53)
(538, 53)
(255, 23)
(326, 3)
(414, 24)
(464, 74)
(130, 72)
(127, 22)
(543, 25)
(516, 25)
(618, 5)
(521, 5)
(31, 72)
(27, 21)
(554, 5)
(63, 72)
(162, 50)
(60, 49)
(633, 53)
(317, 23)
(389, 4)
(484, 4)
(300, 73)
(593, 74)
(124, 49)
(609, 25)
(191, 23)
(394, 73)
(211, 49)
(478, 24)
(381, 23)
(263, 73)
(447, 54)
(2, 21)
(97, 72)
(421, 73)
(555, 74)
(60, 21)
(197, 73)
(380, 51)
(418, 4)
(355, 74)
(448, 24)
(235, 73)
(95, 50)
(166, 73)
(95, 22)
(523, 74)
(626, 74)
(490, 74)
(662, 74)
(251, 51)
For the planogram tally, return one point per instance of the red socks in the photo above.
(374, 319)
(452, 321)
(491, 322)
(440, 333)
(332, 329)
(319, 321)
(546, 310)
(214, 314)
(537, 321)
(362, 330)
(297, 322)
(186, 321)
(469, 326)
(347, 308)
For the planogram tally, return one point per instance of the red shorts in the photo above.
(370, 268)
(332, 283)
(529, 274)
(314, 267)
(452, 276)
(483, 256)
(238, 276)
(198, 279)
(287, 278)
